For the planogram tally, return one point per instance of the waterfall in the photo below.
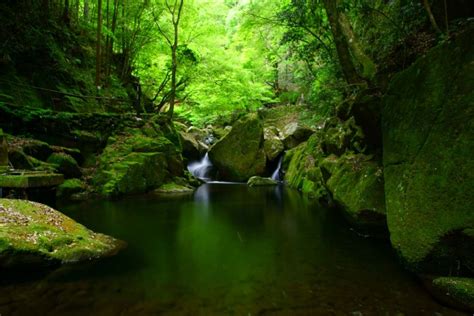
(276, 173)
(200, 169)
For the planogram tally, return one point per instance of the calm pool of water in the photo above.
(226, 250)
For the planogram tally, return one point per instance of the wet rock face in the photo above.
(240, 154)
(294, 134)
(428, 150)
(273, 145)
(356, 184)
(35, 234)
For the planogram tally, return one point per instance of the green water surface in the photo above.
(226, 250)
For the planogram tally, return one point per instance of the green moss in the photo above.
(356, 184)
(428, 119)
(30, 229)
(459, 290)
(240, 155)
(70, 187)
(135, 163)
(302, 168)
(256, 181)
(65, 164)
(174, 188)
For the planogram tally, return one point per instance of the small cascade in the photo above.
(276, 174)
(201, 169)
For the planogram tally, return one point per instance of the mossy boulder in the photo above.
(135, 163)
(272, 145)
(240, 155)
(193, 149)
(457, 292)
(19, 159)
(257, 181)
(356, 185)
(428, 156)
(69, 188)
(301, 165)
(174, 188)
(37, 149)
(295, 133)
(65, 164)
(33, 234)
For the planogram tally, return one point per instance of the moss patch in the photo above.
(427, 122)
(240, 155)
(457, 291)
(33, 230)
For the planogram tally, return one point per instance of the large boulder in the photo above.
(295, 133)
(272, 145)
(240, 155)
(356, 185)
(428, 156)
(65, 164)
(33, 234)
(302, 171)
(135, 163)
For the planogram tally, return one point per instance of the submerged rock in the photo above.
(428, 156)
(256, 181)
(356, 184)
(239, 154)
(33, 234)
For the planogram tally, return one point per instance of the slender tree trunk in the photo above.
(98, 45)
(66, 17)
(368, 66)
(174, 48)
(45, 10)
(431, 16)
(110, 49)
(86, 10)
(342, 48)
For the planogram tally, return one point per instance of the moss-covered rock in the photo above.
(294, 134)
(69, 187)
(272, 145)
(35, 234)
(174, 188)
(257, 181)
(240, 155)
(428, 124)
(356, 184)
(458, 292)
(66, 165)
(19, 159)
(301, 165)
(37, 149)
(135, 163)
(193, 149)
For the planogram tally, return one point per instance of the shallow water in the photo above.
(226, 250)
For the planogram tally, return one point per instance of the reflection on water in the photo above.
(229, 249)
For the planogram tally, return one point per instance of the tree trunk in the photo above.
(174, 59)
(98, 45)
(431, 16)
(368, 66)
(66, 17)
(86, 10)
(342, 48)
(110, 49)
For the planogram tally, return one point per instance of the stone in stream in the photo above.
(34, 235)
(256, 181)
(454, 291)
(428, 156)
(239, 154)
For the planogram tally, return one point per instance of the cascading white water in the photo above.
(200, 169)
(276, 173)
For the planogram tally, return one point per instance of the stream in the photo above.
(225, 250)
